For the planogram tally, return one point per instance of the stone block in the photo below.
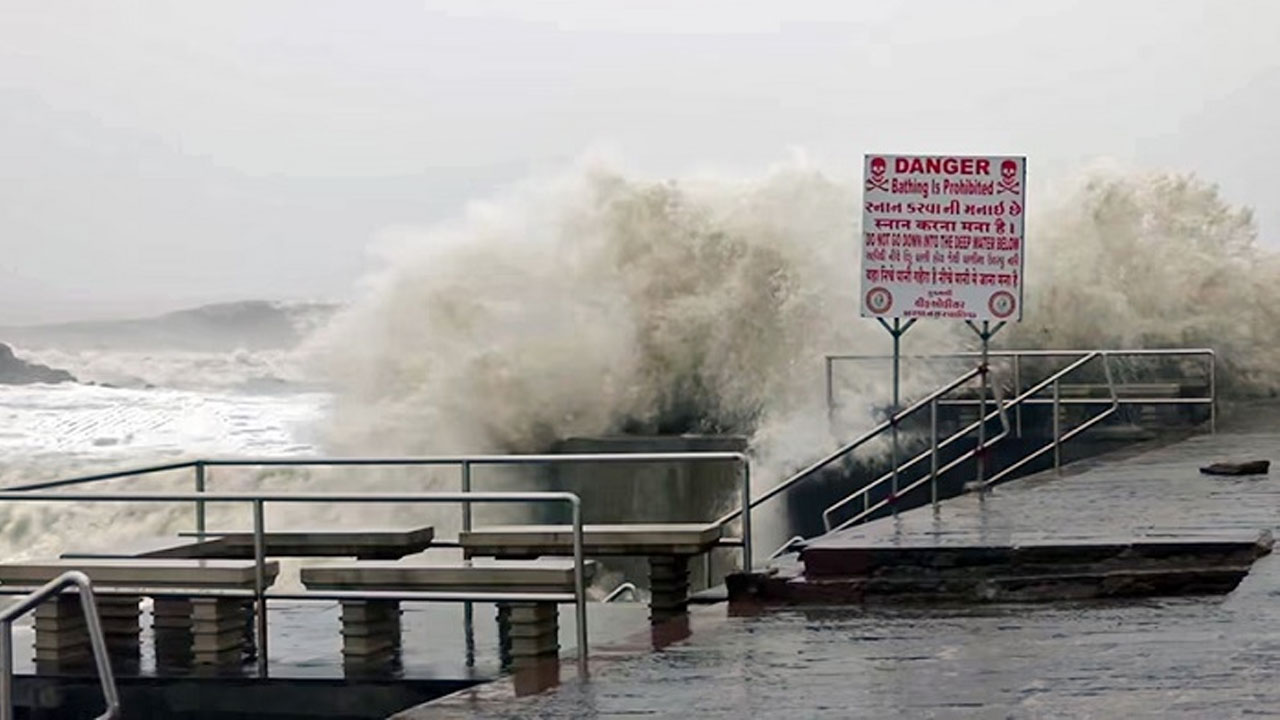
(232, 656)
(60, 624)
(363, 611)
(61, 640)
(219, 642)
(532, 612)
(367, 645)
(62, 606)
(522, 647)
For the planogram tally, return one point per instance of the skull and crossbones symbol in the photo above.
(878, 181)
(1008, 178)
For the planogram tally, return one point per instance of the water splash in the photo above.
(595, 302)
(1153, 260)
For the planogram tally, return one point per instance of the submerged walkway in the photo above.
(1190, 657)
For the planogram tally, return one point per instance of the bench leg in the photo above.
(218, 631)
(668, 587)
(534, 631)
(370, 634)
(171, 629)
(62, 638)
(121, 625)
(504, 635)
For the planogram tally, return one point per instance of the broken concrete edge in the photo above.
(1210, 568)
(761, 590)
(870, 559)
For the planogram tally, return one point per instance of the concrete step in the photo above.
(838, 570)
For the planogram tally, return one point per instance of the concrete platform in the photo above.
(1189, 657)
(1144, 525)
(598, 540)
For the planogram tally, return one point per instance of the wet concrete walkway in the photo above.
(1200, 657)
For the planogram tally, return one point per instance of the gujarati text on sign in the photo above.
(942, 237)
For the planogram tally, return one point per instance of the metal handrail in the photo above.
(96, 640)
(464, 463)
(1018, 355)
(784, 547)
(1058, 437)
(847, 448)
(624, 588)
(863, 492)
(259, 501)
(1003, 406)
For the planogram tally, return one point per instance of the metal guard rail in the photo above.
(97, 640)
(1002, 408)
(259, 501)
(465, 463)
(1016, 356)
(864, 491)
(844, 450)
(1058, 437)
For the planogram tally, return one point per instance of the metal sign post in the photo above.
(985, 333)
(942, 237)
(897, 330)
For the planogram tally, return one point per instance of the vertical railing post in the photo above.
(468, 609)
(980, 456)
(831, 392)
(893, 413)
(200, 482)
(466, 488)
(933, 453)
(746, 515)
(98, 643)
(6, 670)
(1017, 390)
(260, 583)
(1057, 426)
(579, 586)
(1213, 392)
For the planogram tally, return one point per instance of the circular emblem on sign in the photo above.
(879, 300)
(1002, 304)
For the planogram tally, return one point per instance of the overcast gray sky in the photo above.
(155, 155)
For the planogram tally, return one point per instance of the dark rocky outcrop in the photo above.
(1252, 467)
(251, 325)
(15, 371)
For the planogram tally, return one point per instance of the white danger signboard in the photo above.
(942, 237)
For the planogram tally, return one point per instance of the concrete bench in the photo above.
(167, 546)
(371, 628)
(381, 544)
(371, 544)
(203, 630)
(668, 547)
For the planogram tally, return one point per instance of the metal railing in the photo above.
(1016, 359)
(846, 449)
(259, 593)
(464, 463)
(1116, 396)
(1001, 411)
(97, 640)
(626, 588)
